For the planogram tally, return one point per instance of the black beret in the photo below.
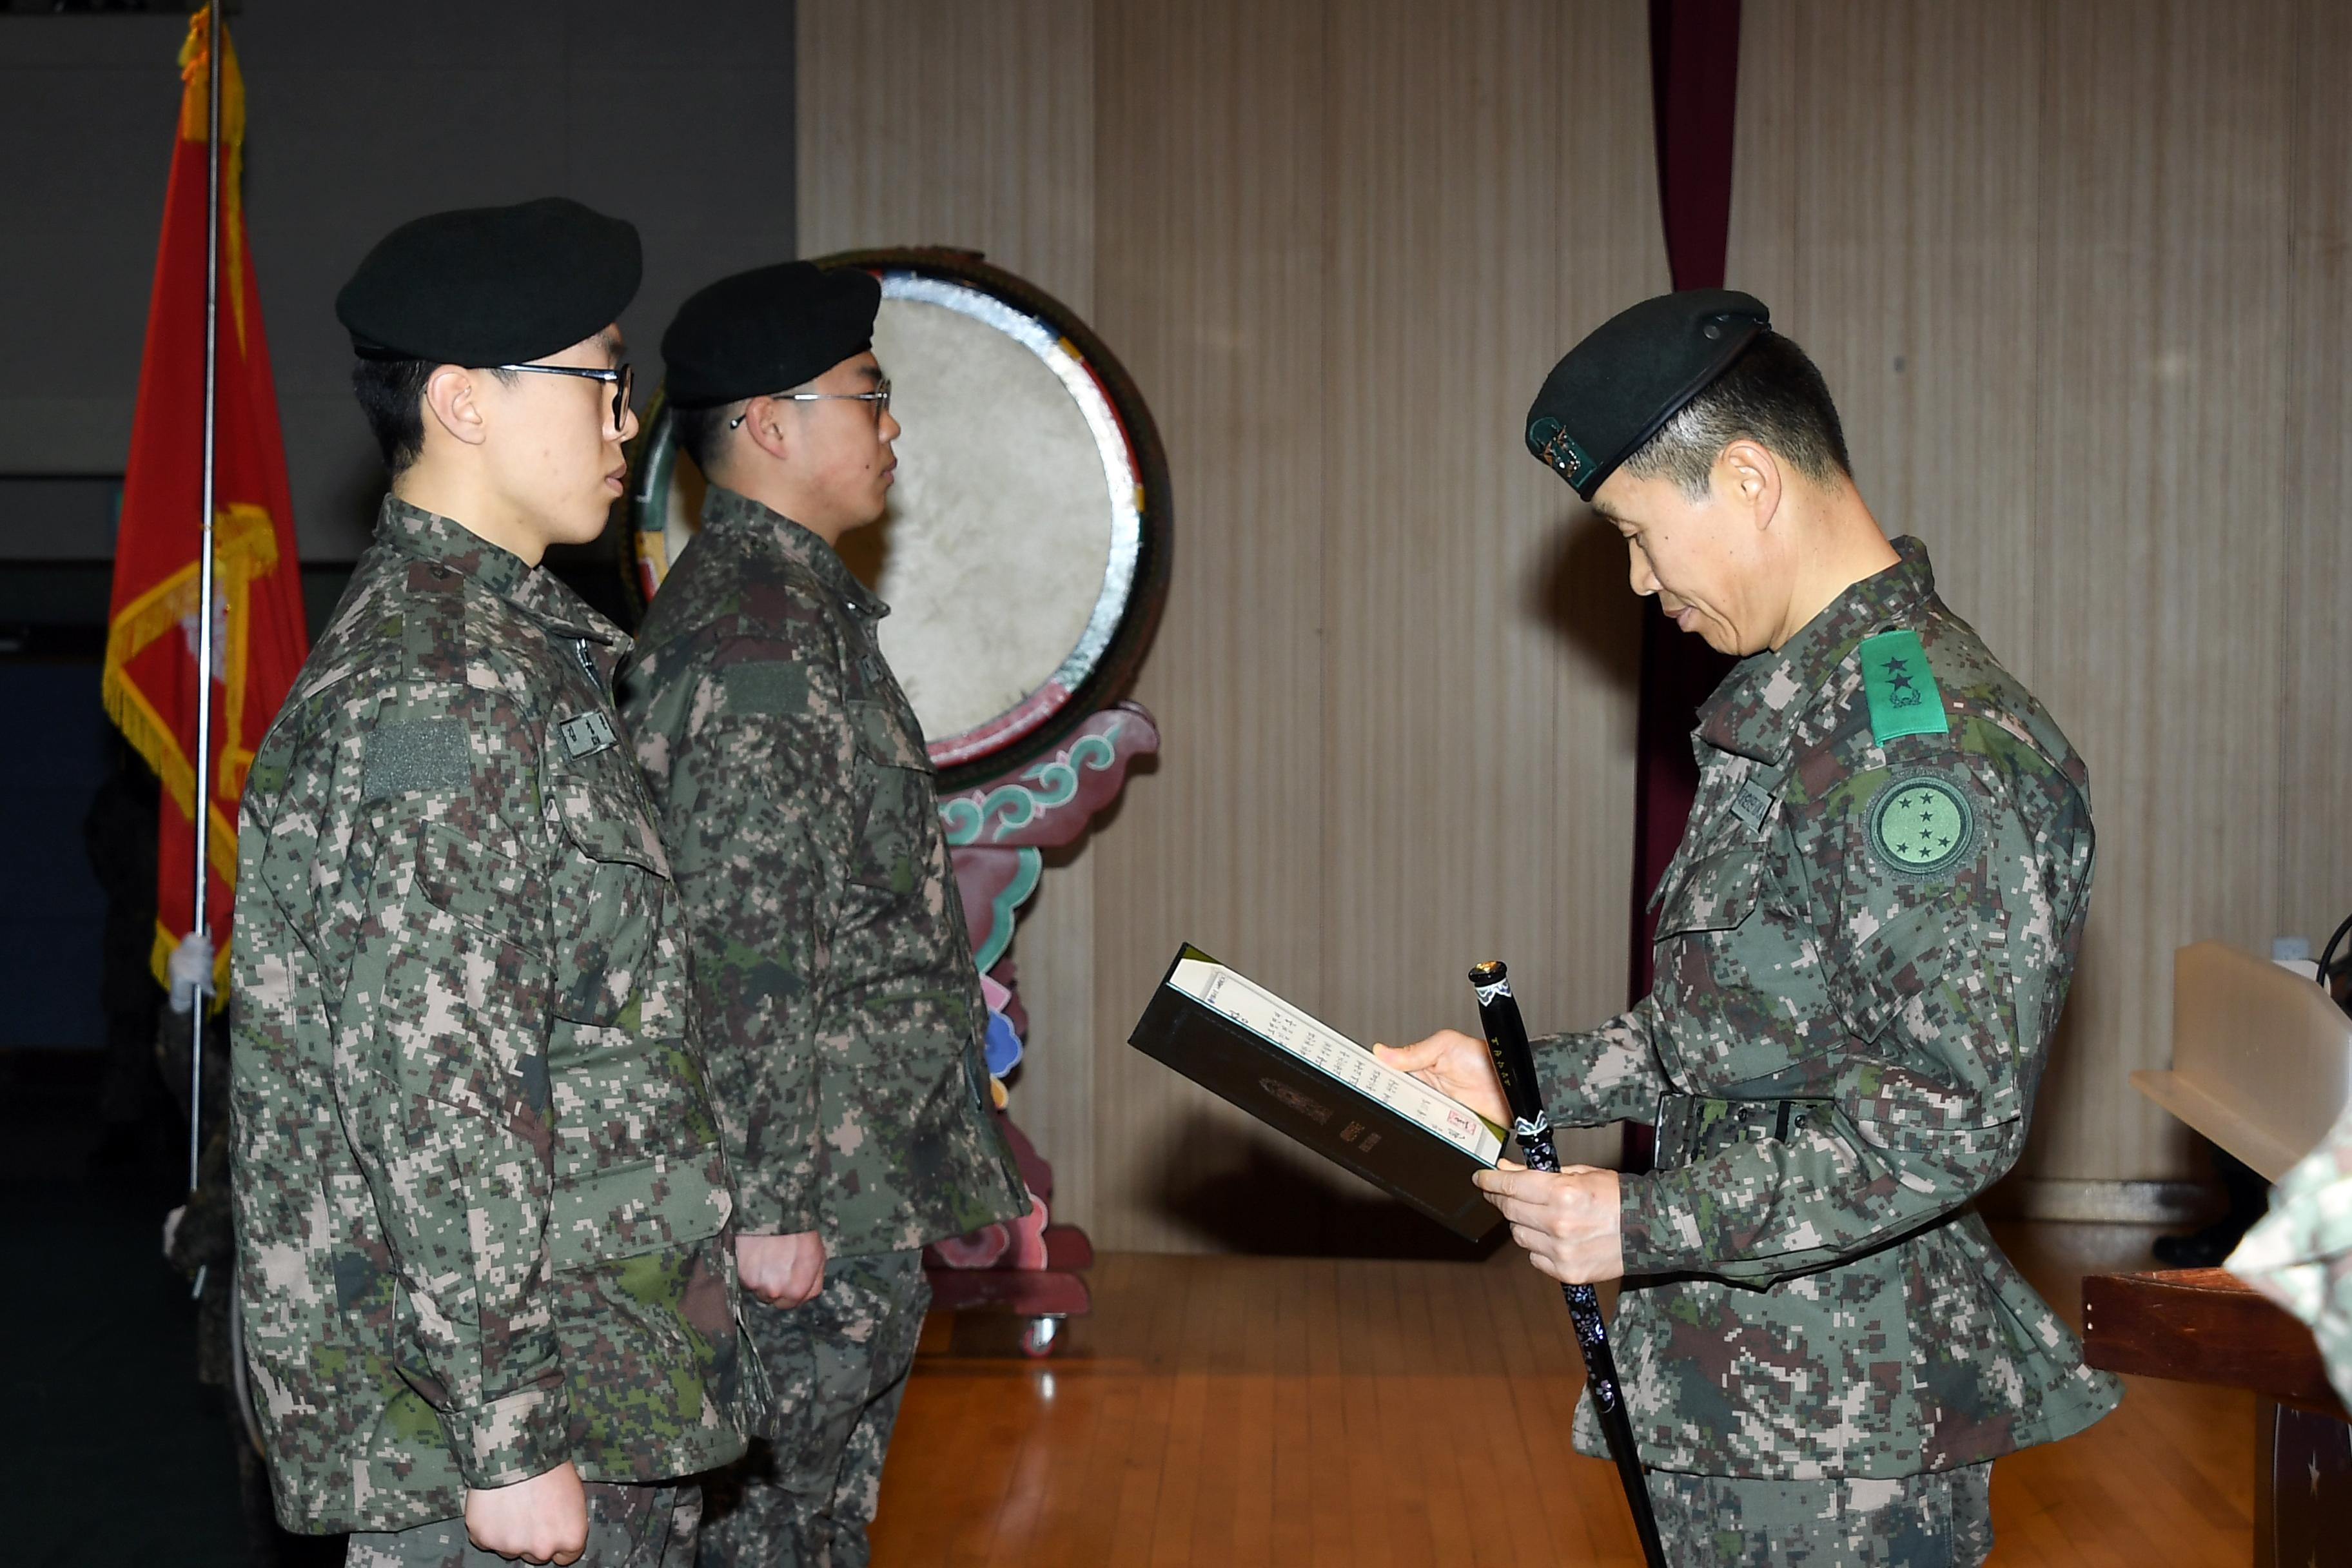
(1634, 372)
(491, 285)
(767, 330)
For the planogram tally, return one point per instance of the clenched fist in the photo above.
(782, 1271)
(542, 1519)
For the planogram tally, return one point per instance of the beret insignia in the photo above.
(1547, 438)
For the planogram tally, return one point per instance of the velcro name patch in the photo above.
(764, 686)
(414, 755)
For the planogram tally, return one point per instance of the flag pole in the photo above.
(205, 651)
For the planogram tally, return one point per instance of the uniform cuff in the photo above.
(1657, 1231)
(765, 1212)
(512, 1438)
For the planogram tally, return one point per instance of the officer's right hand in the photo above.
(782, 1271)
(1454, 1065)
(542, 1519)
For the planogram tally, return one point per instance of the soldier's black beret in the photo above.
(491, 285)
(1634, 372)
(767, 330)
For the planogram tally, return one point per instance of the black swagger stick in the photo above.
(1515, 1064)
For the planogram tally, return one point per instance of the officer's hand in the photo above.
(1454, 1065)
(782, 1271)
(542, 1519)
(1566, 1221)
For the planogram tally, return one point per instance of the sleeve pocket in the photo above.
(1716, 893)
(885, 741)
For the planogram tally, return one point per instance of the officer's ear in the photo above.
(766, 426)
(453, 401)
(1748, 475)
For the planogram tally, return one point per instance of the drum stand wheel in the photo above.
(1041, 1337)
(1042, 1300)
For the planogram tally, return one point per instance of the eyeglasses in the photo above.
(621, 378)
(879, 397)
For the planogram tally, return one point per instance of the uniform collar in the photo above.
(422, 535)
(726, 512)
(1755, 710)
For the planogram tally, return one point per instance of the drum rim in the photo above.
(1130, 640)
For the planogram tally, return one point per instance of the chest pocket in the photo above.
(897, 843)
(636, 1153)
(613, 896)
(1739, 973)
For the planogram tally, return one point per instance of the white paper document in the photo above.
(1264, 1013)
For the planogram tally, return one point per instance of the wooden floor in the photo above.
(1251, 1410)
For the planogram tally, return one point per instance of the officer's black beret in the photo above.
(767, 330)
(1634, 372)
(491, 285)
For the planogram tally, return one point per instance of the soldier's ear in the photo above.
(1750, 475)
(766, 426)
(452, 400)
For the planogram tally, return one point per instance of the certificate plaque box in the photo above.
(1316, 1087)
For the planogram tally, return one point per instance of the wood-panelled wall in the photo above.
(2076, 270)
(1337, 246)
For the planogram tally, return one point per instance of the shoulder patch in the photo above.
(764, 686)
(412, 755)
(1904, 698)
(1921, 825)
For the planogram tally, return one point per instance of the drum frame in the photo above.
(652, 461)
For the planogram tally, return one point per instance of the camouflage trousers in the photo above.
(1940, 1521)
(837, 1364)
(628, 1527)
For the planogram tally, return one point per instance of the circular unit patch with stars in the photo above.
(1922, 826)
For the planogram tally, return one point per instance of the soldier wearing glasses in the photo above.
(481, 1199)
(833, 970)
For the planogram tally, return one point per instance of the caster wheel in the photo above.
(1041, 1338)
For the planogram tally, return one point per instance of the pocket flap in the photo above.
(884, 738)
(1715, 892)
(628, 1209)
(606, 821)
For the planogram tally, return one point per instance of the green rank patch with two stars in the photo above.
(1904, 697)
(1921, 825)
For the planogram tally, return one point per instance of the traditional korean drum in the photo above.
(1025, 554)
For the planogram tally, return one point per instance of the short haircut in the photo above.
(701, 433)
(392, 396)
(1773, 396)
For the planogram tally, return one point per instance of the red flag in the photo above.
(151, 648)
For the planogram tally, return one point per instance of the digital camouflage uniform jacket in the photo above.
(480, 1198)
(832, 963)
(1863, 944)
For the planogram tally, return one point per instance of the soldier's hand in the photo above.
(1455, 1066)
(542, 1519)
(782, 1271)
(1567, 1220)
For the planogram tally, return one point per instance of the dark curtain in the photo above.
(1694, 70)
